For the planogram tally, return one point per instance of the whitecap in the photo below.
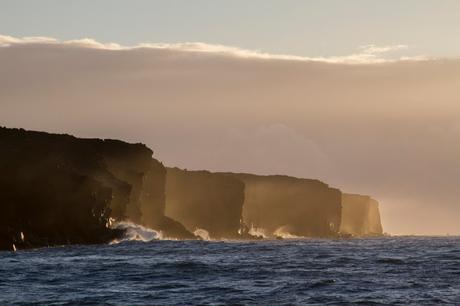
(284, 233)
(135, 232)
(202, 233)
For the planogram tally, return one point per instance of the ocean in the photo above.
(386, 270)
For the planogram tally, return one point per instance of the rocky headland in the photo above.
(57, 189)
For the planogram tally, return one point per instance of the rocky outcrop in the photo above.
(287, 206)
(360, 216)
(205, 200)
(58, 189)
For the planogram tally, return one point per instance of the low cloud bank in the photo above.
(389, 128)
(366, 54)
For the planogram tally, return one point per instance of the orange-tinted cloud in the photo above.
(382, 127)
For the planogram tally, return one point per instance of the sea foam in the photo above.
(136, 232)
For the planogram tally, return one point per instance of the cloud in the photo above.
(388, 128)
(369, 54)
(7, 41)
(91, 43)
(270, 149)
(373, 49)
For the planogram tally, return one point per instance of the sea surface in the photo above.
(388, 270)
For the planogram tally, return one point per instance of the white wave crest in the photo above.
(284, 233)
(258, 232)
(135, 232)
(202, 233)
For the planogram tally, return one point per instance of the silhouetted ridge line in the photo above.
(58, 189)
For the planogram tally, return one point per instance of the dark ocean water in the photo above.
(398, 270)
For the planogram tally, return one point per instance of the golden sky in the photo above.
(360, 122)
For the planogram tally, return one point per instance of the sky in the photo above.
(297, 27)
(364, 97)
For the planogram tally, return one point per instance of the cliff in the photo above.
(360, 216)
(289, 206)
(59, 189)
(147, 177)
(205, 200)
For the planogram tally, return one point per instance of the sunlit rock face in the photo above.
(287, 206)
(360, 216)
(133, 163)
(58, 189)
(205, 200)
(153, 204)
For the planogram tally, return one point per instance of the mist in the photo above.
(390, 129)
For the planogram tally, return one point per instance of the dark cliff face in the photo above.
(205, 200)
(286, 205)
(147, 178)
(55, 190)
(58, 189)
(360, 216)
(129, 163)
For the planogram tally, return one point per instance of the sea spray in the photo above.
(135, 232)
(257, 232)
(202, 233)
(283, 232)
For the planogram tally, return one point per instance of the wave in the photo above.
(258, 232)
(135, 232)
(389, 260)
(202, 233)
(284, 233)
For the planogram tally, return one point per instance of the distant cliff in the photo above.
(283, 205)
(153, 206)
(205, 200)
(360, 216)
(59, 189)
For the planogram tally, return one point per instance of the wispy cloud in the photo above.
(373, 49)
(6, 41)
(368, 54)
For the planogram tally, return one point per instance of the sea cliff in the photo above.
(59, 189)
(204, 200)
(284, 206)
(360, 216)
